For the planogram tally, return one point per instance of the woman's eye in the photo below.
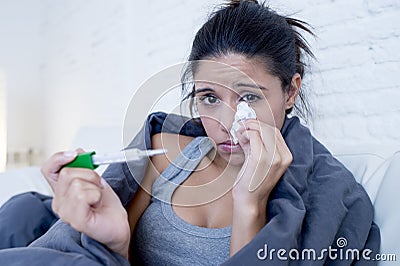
(249, 98)
(209, 100)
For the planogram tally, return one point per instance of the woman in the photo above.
(209, 200)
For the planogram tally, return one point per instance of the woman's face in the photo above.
(221, 84)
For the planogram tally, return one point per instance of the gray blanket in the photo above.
(317, 213)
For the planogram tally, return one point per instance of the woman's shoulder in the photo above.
(173, 143)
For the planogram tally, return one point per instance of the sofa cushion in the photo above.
(367, 168)
(387, 214)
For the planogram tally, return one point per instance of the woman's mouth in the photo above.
(230, 147)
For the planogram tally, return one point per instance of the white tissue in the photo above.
(244, 111)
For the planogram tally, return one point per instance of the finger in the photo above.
(251, 135)
(281, 158)
(242, 136)
(79, 150)
(276, 157)
(68, 174)
(242, 126)
(267, 156)
(53, 165)
(253, 152)
(260, 165)
(78, 216)
(284, 151)
(109, 195)
(267, 133)
(77, 207)
(256, 144)
(63, 190)
(280, 162)
(80, 192)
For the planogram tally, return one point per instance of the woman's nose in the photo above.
(227, 116)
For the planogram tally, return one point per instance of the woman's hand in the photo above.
(85, 201)
(51, 168)
(266, 159)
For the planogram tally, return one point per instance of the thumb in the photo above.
(54, 164)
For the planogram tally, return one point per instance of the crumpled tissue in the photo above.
(243, 111)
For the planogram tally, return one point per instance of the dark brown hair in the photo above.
(254, 30)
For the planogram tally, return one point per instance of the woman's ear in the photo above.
(293, 92)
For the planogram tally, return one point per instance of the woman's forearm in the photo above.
(247, 221)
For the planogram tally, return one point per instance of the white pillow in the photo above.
(15, 181)
(100, 139)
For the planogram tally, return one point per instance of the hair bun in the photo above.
(235, 3)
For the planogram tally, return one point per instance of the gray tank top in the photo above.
(163, 238)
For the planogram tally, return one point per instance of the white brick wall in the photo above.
(355, 83)
(86, 70)
(97, 53)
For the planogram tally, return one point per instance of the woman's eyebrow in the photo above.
(203, 90)
(251, 85)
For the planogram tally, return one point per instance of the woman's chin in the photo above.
(236, 158)
(236, 161)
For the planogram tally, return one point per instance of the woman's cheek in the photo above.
(268, 117)
(208, 123)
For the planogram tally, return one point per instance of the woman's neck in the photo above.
(222, 165)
